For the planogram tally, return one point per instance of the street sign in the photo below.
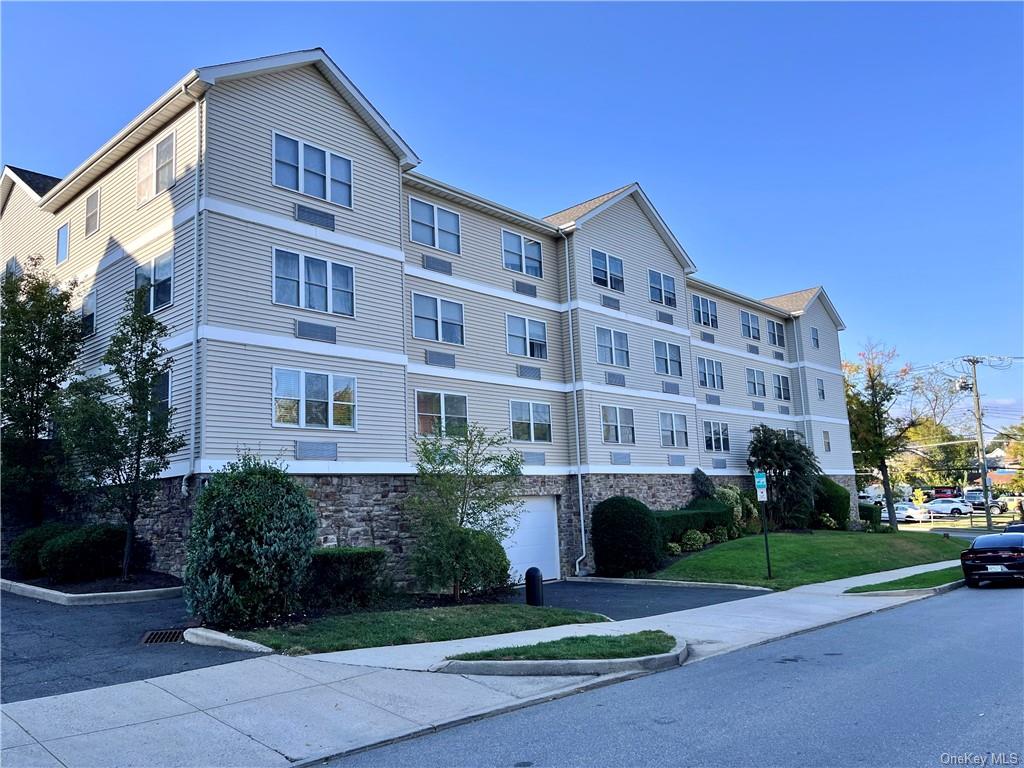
(761, 485)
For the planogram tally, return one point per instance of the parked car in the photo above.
(907, 513)
(949, 507)
(1014, 528)
(994, 556)
(977, 500)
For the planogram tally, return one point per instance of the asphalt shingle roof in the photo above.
(40, 183)
(793, 302)
(581, 209)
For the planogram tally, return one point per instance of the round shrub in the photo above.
(692, 541)
(339, 576)
(673, 549)
(461, 560)
(249, 545)
(719, 534)
(830, 500)
(25, 549)
(83, 554)
(626, 537)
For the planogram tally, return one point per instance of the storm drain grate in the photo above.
(157, 636)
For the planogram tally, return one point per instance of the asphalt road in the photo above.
(918, 685)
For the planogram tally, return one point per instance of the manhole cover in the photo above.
(158, 636)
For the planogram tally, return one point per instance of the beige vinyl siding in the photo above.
(834, 404)
(239, 402)
(481, 257)
(739, 435)
(240, 282)
(729, 332)
(828, 353)
(734, 373)
(647, 451)
(839, 459)
(243, 116)
(26, 231)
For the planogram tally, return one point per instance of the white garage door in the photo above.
(535, 542)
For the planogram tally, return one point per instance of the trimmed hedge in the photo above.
(705, 514)
(25, 549)
(870, 514)
(84, 554)
(626, 537)
(703, 486)
(830, 498)
(344, 576)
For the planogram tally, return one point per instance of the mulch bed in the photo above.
(139, 581)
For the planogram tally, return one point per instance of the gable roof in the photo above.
(575, 216)
(39, 183)
(796, 303)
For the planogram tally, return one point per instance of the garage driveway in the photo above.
(632, 601)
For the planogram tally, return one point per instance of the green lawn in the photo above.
(644, 643)
(799, 558)
(370, 629)
(917, 581)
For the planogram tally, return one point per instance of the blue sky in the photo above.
(872, 148)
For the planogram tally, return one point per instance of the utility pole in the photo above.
(973, 362)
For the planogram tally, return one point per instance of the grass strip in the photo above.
(646, 643)
(917, 581)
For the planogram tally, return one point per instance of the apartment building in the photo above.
(326, 304)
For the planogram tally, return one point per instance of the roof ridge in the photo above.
(589, 203)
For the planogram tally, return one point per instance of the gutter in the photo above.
(197, 172)
(575, 408)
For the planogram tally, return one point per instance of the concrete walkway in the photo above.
(279, 711)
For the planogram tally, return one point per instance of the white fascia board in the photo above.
(17, 181)
(292, 344)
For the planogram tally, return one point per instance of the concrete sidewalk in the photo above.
(279, 710)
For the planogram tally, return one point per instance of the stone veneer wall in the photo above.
(849, 482)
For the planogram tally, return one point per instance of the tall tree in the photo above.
(41, 340)
(118, 427)
(935, 396)
(935, 455)
(792, 471)
(874, 386)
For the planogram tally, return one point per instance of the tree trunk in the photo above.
(887, 488)
(129, 541)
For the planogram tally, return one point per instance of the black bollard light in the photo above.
(534, 586)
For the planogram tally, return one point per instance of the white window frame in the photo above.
(440, 321)
(777, 330)
(608, 259)
(442, 394)
(96, 193)
(714, 373)
(529, 337)
(152, 192)
(302, 144)
(781, 387)
(302, 400)
(302, 282)
(758, 381)
(815, 338)
(662, 277)
(618, 425)
(821, 388)
(614, 348)
(66, 229)
(523, 240)
(151, 265)
(673, 415)
(708, 428)
(698, 312)
(436, 227)
(750, 325)
(81, 312)
(668, 358)
(533, 422)
(826, 441)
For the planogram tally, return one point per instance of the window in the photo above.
(781, 386)
(319, 173)
(89, 314)
(520, 254)
(531, 422)
(776, 333)
(440, 413)
(62, 244)
(607, 271)
(160, 395)
(673, 430)
(751, 326)
(434, 226)
(668, 358)
(617, 425)
(755, 382)
(705, 311)
(716, 436)
(158, 276)
(821, 389)
(154, 169)
(92, 213)
(792, 434)
(709, 373)
(437, 319)
(612, 347)
(526, 337)
(815, 341)
(314, 399)
(313, 283)
(826, 441)
(662, 288)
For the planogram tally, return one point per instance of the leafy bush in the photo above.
(473, 560)
(673, 549)
(719, 534)
(710, 513)
(692, 541)
(626, 537)
(703, 487)
(25, 549)
(734, 531)
(740, 504)
(83, 554)
(344, 576)
(825, 521)
(249, 545)
(870, 514)
(830, 500)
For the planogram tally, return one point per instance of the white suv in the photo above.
(949, 507)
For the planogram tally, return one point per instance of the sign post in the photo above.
(761, 485)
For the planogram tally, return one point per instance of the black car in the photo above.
(1014, 528)
(995, 556)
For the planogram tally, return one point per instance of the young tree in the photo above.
(792, 470)
(41, 340)
(873, 388)
(117, 428)
(934, 463)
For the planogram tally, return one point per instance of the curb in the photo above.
(654, 663)
(204, 636)
(88, 598)
(667, 583)
(920, 592)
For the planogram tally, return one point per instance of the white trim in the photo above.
(98, 191)
(629, 318)
(300, 170)
(675, 293)
(21, 183)
(644, 394)
(752, 318)
(768, 322)
(57, 262)
(303, 372)
(292, 344)
(482, 377)
(527, 321)
(301, 280)
(149, 145)
(655, 342)
(597, 346)
(608, 271)
(746, 380)
(709, 376)
(618, 423)
(436, 245)
(686, 429)
(151, 265)
(532, 440)
(487, 290)
(441, 393)
(723, 437)
(95, 311)
(712, 312)
(440, 321)
(522, 241)
(765, 415)
(817, 367)
(177, 469)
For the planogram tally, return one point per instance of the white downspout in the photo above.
(195, 293)
(575, 409)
